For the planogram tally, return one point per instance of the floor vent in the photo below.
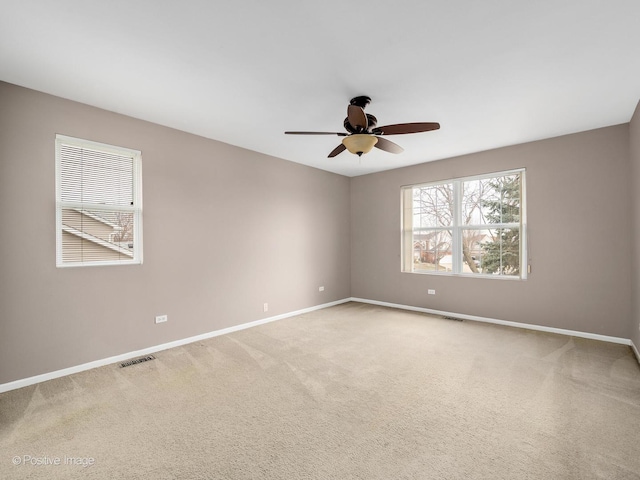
(135, 361)
(453, 318)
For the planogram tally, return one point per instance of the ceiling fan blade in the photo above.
(357, 117)
(403, 128)
(339, 149)
(340, 134)
(388, 146)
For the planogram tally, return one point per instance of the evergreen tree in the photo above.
(501, 254)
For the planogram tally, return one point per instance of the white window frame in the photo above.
(136, 208)
(406, 227)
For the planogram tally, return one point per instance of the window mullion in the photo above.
(457, 230)
(97, 206)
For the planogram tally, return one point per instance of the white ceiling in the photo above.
(493, 73)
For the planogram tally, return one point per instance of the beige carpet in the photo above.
(350, 392)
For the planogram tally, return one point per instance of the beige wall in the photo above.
(634, 130)
(578, 196)
(225, 230)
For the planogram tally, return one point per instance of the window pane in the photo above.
(472, 252)
(88, 176)
(510, 192)
(95, 236)
(491, 251)
(432, 251)
(473, 193)
(491, 200)
(433, 206)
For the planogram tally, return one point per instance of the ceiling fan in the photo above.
(364, 134)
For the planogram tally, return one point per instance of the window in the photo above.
(469, 226)
(98, 204)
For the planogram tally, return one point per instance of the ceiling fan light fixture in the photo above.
(359, 143)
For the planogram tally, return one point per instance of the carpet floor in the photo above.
(353, 391)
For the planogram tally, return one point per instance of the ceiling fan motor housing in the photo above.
(371, 121)
(361, 101)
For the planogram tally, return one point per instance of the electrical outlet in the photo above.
(162, 318)
(265, 307)
(431, 291)
(321, 289)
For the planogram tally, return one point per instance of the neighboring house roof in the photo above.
(99, 218)
(89, 234)
(96, 240)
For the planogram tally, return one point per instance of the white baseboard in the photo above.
(25, 382)
(573, 333)
(5, 387)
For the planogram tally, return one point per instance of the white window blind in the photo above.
(98, 204)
